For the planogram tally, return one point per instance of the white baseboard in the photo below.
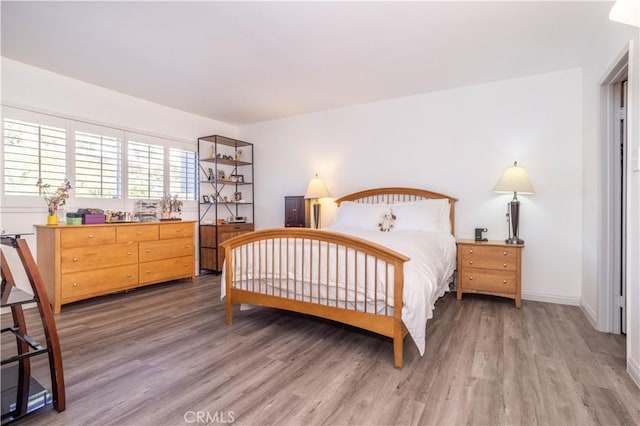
(591, 316)
(550, 298)
(634, 371)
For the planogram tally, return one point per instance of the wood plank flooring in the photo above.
(163, 355)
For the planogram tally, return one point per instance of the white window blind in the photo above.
(98, 166)
(32, 151)
(182, 174)
(146, 170)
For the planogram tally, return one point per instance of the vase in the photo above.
(52, 219)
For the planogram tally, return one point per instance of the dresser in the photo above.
(491, 267)
(82, 261)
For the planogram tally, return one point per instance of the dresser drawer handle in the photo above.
(90, 236)
(471, 278)
(504, 265)
(129, 275)
(75, 259)
(504, 253)
(129, 253)
(75, 284)
(148, 250)
(178, 230)
(471, 251)
(148, 272)
(471, 262)
(138, 233)
(504, 281)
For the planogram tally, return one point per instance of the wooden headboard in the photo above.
(399, 195)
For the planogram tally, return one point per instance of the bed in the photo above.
(384, 282)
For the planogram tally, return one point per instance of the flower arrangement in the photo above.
(171, 206)
(56, 198)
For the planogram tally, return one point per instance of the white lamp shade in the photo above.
(514, 179)
(626, 12)
(316, 189)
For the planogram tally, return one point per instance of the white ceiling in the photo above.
(242, 62)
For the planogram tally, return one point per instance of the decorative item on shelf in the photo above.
(237, 196)
(211, 175)
(315, 191)
(171, 207)
(514, 180)
(237, 178)
(221, 175)
(211, 153)
(54, 199)
(205, 199)
(238, 154)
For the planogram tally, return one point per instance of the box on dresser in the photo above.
(82, 261)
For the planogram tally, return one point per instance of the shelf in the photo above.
(223, 140)
(37, 397)
(14, 296)
(225, 182)
(225, 162)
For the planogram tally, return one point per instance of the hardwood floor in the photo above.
(164, 355)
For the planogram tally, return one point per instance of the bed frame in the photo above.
(260, 246)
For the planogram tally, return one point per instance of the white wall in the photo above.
(456, 142)
(44, 91)
(605, 52)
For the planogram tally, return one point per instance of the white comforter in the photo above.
(426, 275)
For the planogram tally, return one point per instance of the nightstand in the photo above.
(491, 267)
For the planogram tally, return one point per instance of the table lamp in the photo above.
(515, 180)
(315, 191)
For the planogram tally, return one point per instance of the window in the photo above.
(182, 174)
(32, 151)
(98, 166)
(145, 171)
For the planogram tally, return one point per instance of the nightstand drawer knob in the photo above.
(470, 251)
(471, 262)
(471, 278)
(504, 281)
(504, 253)
(504, 264)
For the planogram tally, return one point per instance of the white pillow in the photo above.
(430, 215)
(359, 215)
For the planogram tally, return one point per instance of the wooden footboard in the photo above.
(321, 273)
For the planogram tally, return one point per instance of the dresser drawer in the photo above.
(79, 285)
(497, 258)
(166, 249)
(87, 235)
(484, 280)
(96, 257)
(127, 233)
(176, 230)
(167, 269)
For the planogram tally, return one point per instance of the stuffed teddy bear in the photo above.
(386, 222)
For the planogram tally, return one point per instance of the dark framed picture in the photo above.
(211, 175)
(237, 196)
(237, 178)
(205, 199)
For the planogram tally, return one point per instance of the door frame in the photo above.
(611, 238)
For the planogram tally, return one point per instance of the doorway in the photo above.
(615, 196)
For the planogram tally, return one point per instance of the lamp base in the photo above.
(514, 241)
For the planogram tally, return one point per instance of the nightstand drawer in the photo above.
(497, 258)
(487, 280)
